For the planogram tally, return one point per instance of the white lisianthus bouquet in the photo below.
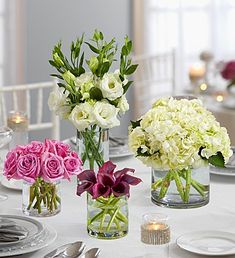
(91, 96)
(178, 135)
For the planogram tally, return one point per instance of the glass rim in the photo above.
(155, 217)
(5, 130)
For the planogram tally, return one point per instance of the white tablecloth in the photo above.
(70, 223)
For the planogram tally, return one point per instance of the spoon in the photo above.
(71, 251)
(91, 253)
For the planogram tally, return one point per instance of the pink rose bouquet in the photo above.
(42, 165)
(228, 72)
(108, 191)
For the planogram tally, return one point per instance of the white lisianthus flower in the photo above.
(81, 116)
(111, 86)
(123, 104)
(85, 82)
(57, 102)
(105, 115)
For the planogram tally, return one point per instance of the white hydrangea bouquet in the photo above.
(175, 136)
(92, 99)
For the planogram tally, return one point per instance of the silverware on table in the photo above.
(58, 252)
(91, 253)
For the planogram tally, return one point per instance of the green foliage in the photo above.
(103, 55)
(135, 124)
(217, 160)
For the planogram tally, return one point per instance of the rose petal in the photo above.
(100, 190)
(121, 188)
(88, 175)
(105, 179)
(108, 168)
(84, 186)
(131, 180)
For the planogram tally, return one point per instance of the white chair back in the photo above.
(31, 98)
(155, 77)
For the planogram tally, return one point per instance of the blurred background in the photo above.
(198, 33)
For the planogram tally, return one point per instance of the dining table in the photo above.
(70, 223)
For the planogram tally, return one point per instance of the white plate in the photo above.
(49, 235)
(34, 228)
(212, 243)
(119, 152)
(12, 184)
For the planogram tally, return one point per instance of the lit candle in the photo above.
(17, 121)
(196, 72)
(220, 95)
(155, 231)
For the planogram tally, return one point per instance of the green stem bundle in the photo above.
(183, 181)
(108, 213)
(43, 194)
(92, 152)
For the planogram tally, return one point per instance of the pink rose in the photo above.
(73, 166)
(50, 146)
(228, 71)
(62, 149)
(28, 167)
(35, 147)
(10, 165)
(52, 168)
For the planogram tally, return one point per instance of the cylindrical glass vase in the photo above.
(41, 199)
(107, 218)
(93, 147)
(187, 188)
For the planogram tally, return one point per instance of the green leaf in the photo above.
(52, 63)
(139, 153)
(135, 124)
(131, 69)
(126, 86)
(217, 160)
(61, 85)
(124, 51)
(94, 49)
(57, 76)
(95, 93)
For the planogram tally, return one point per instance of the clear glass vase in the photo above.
(187, 188)
(93, 147)
(107, 218)
(41, 199)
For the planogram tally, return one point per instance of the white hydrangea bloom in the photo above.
(174, 131)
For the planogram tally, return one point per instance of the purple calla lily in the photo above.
(131, 180)
(121, 188)
(101, 190)
(105, 179)
(107, 182)
(107, 168)
(84, 186)
(88, 175)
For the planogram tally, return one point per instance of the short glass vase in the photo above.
(186, 188)
(41, 199)
(107, 218)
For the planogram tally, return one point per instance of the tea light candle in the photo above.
(154, 230)
(17, 121)
(220, 96)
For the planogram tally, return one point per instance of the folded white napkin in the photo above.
(10, 232)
